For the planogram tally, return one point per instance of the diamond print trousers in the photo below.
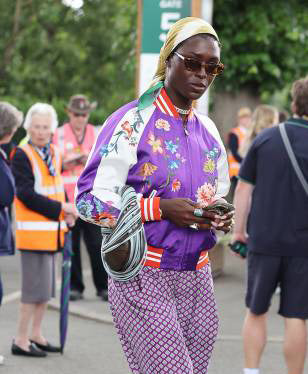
(166, 320)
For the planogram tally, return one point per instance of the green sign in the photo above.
(157, 18)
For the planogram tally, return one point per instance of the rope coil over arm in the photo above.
(129, 228)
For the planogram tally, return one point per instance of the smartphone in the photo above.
(220, 208)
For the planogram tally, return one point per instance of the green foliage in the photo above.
(51, 52)
(264, 43)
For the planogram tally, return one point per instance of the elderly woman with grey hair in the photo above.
(10, 120)
(41, 217)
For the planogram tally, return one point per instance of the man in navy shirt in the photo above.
(271, 198)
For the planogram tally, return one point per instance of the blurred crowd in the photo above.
(268, 162)
(39, 177)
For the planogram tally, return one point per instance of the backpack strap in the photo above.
(287, 144)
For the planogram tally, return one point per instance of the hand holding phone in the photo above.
(220, 207)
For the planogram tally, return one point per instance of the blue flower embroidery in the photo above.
(170, 146)
(104, 150)
(212, 154)
(85, 208)
(174, 164)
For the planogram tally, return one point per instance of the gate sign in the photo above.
(157, 18)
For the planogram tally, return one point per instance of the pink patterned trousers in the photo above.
(166, 320)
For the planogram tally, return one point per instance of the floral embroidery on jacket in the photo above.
(173, 164)
(176, 185)
(211, 157)
(127, 128)
(179, 157)
(147, 169)
(205, 195)
(156, 143)
(92, 209)
(127, 131)
(209, 166)
(162, 124)
(170, 146)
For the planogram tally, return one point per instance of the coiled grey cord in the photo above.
(129, 228)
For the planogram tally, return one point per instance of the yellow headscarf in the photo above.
(180, 31)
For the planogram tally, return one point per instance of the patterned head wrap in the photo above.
(180, 31)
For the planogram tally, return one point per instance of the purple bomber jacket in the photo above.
(149, 149)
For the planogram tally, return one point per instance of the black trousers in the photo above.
(233, 185)
(93, 239)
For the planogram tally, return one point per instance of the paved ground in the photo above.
(93, 347)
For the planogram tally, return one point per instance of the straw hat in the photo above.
(80, 104)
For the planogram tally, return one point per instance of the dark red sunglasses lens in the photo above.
(80, 114)
(192, 65)
(195, 65)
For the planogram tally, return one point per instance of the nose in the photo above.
(202, 72)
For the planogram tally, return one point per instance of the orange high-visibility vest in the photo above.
(66, 140)
(33, 230)
(234, 166)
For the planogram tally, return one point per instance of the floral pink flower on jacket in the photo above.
(205, 195)
(162, 124)
(127, 128)
(156, 143)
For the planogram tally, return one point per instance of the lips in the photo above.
(198, 86)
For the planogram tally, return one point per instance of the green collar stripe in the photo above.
(149, 96)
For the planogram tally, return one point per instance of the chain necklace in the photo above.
(182, 111)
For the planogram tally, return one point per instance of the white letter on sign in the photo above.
(167, 19)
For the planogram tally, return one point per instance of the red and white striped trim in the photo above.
(150, 209)
(203, 259)
(153, 257)
(164, 104)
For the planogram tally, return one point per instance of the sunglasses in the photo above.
(80, 114)
(194, 65)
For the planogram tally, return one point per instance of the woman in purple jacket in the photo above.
(174, 159)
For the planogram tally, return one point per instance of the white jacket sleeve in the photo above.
(114, 153)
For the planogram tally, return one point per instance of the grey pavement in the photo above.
(93, 347)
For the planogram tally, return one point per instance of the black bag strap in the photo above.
(287, 144)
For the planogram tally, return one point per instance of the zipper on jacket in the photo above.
(185, 121)
(187, 239)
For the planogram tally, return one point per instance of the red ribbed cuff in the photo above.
(150, 209)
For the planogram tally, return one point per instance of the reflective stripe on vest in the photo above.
(42, 226)
(33, 230)
(234, 166)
